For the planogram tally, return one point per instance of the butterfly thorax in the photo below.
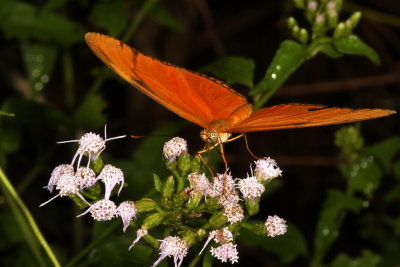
(215, 132)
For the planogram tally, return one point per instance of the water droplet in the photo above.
(38, 86)
(370, 158)
(39, 58)
(325, 231)
(356, 167)
(44, 78)
(278, 67)
(35, 73)
(365, 204)
(273, 76)
(364, 164)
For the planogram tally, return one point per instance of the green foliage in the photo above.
(233, 70)
(48, 36)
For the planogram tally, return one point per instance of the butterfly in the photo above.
(211, 103)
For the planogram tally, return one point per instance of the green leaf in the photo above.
(157, 182)
(330, 50)
(111, 15)
(163, 17)
(232, 69)
(330, 220)
(287, 247)
(25, 21)
(90, 112)
(207, 259)
(353, 45)
(10, 138)
(384, 151)
(39, 62)
(287, 59)
(364, 176)
(367, 259)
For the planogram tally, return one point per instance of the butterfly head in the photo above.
(215, 132)
(214, 137)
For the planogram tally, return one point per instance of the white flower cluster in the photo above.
(70, 183)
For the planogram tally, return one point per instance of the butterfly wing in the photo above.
(193, 96)
(302, 115)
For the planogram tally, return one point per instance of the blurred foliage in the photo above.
(46, 37)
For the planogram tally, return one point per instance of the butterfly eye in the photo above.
(213, 137)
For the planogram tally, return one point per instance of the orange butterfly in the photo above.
(211, 103)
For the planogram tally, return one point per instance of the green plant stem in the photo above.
(147, 6)
(27, 223)
(149, 238)
(92, 245)
(3, 113)
(181, 181)
(194, 261)
(68, 69)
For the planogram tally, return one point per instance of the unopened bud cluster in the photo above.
(192, 207)
(323, 17)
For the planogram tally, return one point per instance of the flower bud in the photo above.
(180, 198)
(201, 233)
(171, 165)
(169, 187)
(291, 22)
(145, 204)
(194, 201)
(195, 164)
(299, 3)
(354, 19)
(184, 164)
(332, 18)
(98, 165)
(296, 31)
(303, 36)
(252, 205)
(339, 31)
(217, 220)
(152, 220)
(189, 237)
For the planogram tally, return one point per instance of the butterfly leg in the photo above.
(221, 151)
(246, 142)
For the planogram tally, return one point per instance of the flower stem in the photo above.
(181, 181)
(27, 223)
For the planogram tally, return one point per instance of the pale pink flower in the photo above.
(250, 187)
(221, 236)
(57, 173)
(172, 246)
(139, 234)
(102, 210)
(86, 177)
(275, 226)
(127, 211)
(266, 169)
(111, 176)
(226, 252)
(92, 144)
(233, 212)
(175, 147)
(199, 183)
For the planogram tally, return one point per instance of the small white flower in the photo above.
(220, 236)
(266, 169)
(92, 144)
(57, 173)
(86, 176)
(275, 226)
(127, 211)
(226, 252)
(68, 185)
(175, 147)
(139, 234)
(250, 187)
(172, 246)
(233, 212)
(222, 184)
(111, 176)
(102, 210)
(199, 183)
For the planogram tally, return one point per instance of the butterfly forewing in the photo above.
(301, 115)
(194, 97)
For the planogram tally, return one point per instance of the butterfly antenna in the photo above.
(153, 135)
